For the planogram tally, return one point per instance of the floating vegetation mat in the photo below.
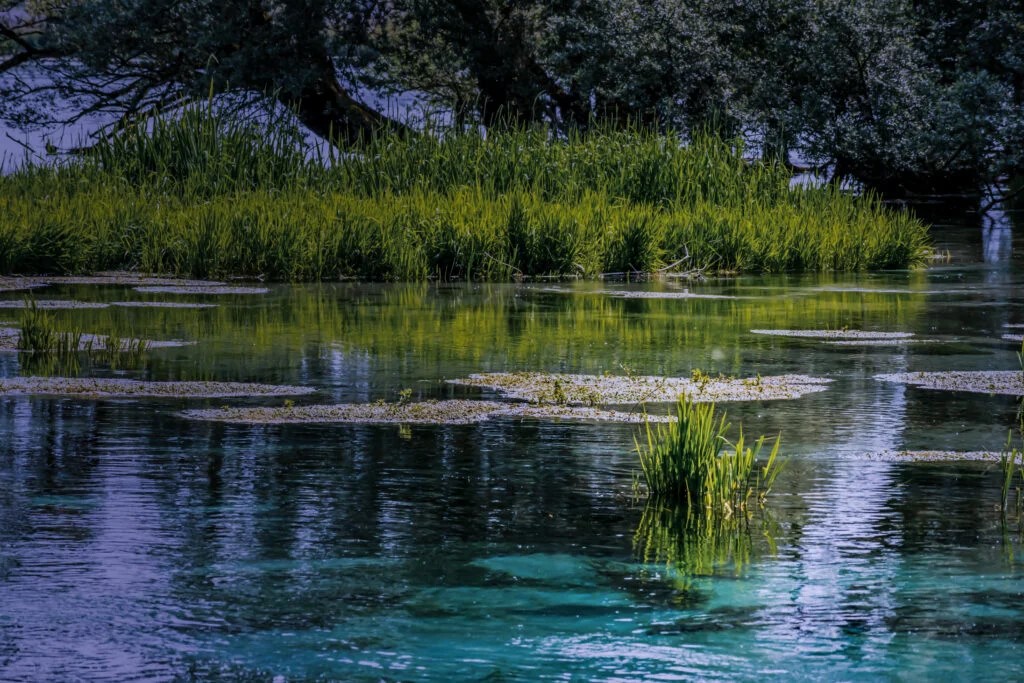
(123, 278)
(128, 388)
(160, 304)
(53, 304)
(1009, 382)
(539, 387)
(14, 284)
(453, 412)
(887, 341)
(837, 334)
(643, 294)
(933, 456)
(178, 289)
(890, 290)
(635, 294)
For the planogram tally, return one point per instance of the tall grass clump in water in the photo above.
(690, 461)
(200, 194)
(47, 346)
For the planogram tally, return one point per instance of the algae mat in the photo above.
(454, 412)
(539, 387)
(1008, 382)
(99, 388)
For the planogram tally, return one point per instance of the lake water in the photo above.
(138, 545)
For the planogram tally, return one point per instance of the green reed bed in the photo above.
(203, 196)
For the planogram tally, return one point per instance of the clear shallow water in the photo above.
(135, 545)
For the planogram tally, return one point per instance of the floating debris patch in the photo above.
(453, 412)
(201, 290)
(882, 342)
(52, 304)
(124, 278)
(99, 388)
(889, 290)
(837, 334)
(160, 304)
(644, 294)
(1007, 382)
(14, 284)
(933, 456)
(545, 388)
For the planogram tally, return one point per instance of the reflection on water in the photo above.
(138, 546)
(997, 237)
(691, 542)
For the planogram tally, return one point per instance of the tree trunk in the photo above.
(327, 109)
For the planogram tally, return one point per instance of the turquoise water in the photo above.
(136, 545)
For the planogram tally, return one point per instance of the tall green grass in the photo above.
(203, 195)
(690, 461)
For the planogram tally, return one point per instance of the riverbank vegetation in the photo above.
(204, 195)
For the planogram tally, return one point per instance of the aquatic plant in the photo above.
(1011, 462)
(690, 461)
(199, 195)
(52, 351)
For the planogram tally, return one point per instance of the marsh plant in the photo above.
(50, 351)
(201, 195)
(689, 461)
(47, 346)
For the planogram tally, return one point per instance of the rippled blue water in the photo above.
(135, 545)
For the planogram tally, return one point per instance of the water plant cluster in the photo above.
(203, 195)
(51, 350)
(689, 461)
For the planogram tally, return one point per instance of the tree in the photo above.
(131, 58)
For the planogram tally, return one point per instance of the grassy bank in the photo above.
(203, 197)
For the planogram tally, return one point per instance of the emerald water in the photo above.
(137, 545)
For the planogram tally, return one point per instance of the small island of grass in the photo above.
(200, 195)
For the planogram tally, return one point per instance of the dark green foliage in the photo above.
(902, 95)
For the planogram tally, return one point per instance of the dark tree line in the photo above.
(903, 95)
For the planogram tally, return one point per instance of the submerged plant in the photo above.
(690, 461)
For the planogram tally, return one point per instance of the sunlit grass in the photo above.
(201, 195)
(690, 461)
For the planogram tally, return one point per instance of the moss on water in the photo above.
(934, 456)
(848, 335)
(558, 389)
(1007, 382)
(206, 291)
(53, 304)
(102, 388)
(454, 412)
